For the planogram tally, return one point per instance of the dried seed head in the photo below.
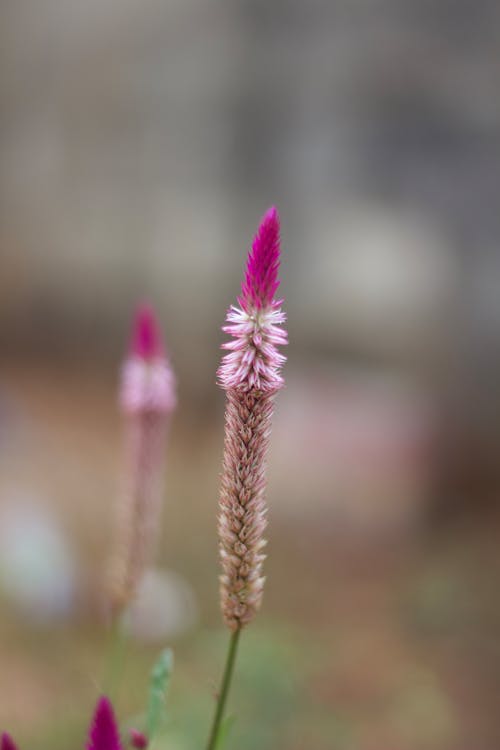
(250, 374)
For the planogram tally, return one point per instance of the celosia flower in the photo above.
(250, 375)
(103, 733)
(147, 399)
(7, 743)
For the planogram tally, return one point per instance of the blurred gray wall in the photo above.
(140, 143)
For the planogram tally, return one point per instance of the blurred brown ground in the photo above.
(394, 640)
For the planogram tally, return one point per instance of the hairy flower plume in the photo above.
(7, 743)
(253, 361)
(103, 733)
(147, 399)
(251, 376)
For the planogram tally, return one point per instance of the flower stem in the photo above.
(224, 689)
(116, 654)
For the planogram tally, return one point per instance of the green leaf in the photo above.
(158, 687)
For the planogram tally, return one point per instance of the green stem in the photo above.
(224, 690)
(116, 654)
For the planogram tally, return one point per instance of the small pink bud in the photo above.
(138, 739)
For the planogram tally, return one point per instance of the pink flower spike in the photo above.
(146, 342)
(7, 743)
(103, 734)
(261, 278)
(250, 373)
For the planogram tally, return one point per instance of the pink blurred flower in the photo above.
(7, 743)
(147, 399)
(103, 733)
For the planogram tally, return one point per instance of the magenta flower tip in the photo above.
(103, 734)
(7, 743)
(146, 342)
(261, 278)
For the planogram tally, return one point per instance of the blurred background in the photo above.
(140, 143)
